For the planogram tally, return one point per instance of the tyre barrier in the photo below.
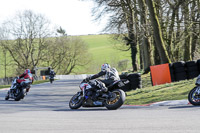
(179, 71)
(184, 70)
(172, 72)
(134, 81)
(191, 69)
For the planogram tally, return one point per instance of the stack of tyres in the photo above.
(135, 81)
(124, 79)
(171, 69)
(198, 64)
(179, 71)
(191, 69)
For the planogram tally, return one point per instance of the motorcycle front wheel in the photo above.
(76, 101)
(20, 95)
(7, 96)
(116, 101)
(194, 96)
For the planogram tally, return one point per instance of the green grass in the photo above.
(150, 94)
(34, 83)
(4, 86)
(103, 50)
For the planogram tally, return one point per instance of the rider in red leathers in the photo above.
(25, 77)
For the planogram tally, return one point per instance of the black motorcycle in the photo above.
(88, 97)
(18, 92)
(194, 94)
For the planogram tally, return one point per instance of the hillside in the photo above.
(103, 50)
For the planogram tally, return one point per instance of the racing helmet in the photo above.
(27, 71)
(105, 67)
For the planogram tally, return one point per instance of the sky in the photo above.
(74, 16)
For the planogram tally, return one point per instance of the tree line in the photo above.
(29, 40)
(160, 31)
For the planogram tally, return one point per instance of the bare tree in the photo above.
(64, 54)
(24, 37)
(159, 42)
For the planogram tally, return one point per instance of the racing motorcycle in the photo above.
(88, 97)
(194, 94)
(18, 92)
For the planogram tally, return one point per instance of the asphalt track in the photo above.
(45, 110)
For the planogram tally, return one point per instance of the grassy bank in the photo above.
(150, 94)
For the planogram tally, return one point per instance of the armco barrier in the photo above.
(82, 76)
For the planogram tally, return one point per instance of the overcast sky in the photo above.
(72, 15)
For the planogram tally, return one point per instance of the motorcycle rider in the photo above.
(52, 73)
(24, 78)
(111, 75)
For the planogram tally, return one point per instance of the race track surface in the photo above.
(45, 110)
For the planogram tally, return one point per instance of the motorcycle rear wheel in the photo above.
(193, 97)
(117, 101)
(76, 101)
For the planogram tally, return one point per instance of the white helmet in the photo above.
(105, 67)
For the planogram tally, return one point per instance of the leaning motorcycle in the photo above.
(87, 96)
(18, 92)
(194, 94)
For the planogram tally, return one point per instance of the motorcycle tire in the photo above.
(191, 97)
(113, 104)
(7, 96)
(51, 81)
(20, 95)
(76, 101)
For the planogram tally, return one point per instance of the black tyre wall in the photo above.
(191, 69)
(135, 81)
(179, 71)
(171, 69)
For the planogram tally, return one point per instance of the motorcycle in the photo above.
(88, 97)
(18, 92)
(51, 78)
(194, 94)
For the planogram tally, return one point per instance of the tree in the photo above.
(28, 32)
(64, 54)
(146, 45)
(158, 36)
(123, 21)
(61, 31)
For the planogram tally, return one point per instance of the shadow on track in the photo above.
(85, 109)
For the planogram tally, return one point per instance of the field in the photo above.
(102, 49)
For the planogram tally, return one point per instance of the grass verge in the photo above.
(150, 94)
